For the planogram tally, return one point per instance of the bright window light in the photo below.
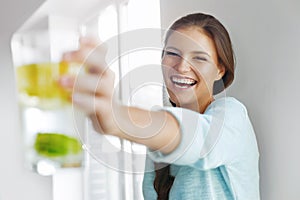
(143, 14)
(107, 23)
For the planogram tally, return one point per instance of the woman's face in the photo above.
(190, 67)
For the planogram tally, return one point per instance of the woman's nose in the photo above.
(183, 65)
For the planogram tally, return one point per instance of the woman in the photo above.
(202, 147)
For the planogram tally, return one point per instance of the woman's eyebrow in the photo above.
(172, 48)
(200, 52)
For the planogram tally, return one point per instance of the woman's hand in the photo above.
(92, 89)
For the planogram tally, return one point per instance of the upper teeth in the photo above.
(183, 80)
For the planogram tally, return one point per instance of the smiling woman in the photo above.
(200, 145)
(211, 41)
(197, 64)
(191, 67)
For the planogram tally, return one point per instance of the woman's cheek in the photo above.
(208, 75)
(170, 61)
(167, 65)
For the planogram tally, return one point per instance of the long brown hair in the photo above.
(217, 32)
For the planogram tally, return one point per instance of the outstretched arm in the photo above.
(93, 93)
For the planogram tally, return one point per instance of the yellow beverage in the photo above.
(39, 81)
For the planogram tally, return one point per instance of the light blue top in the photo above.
(217, 158)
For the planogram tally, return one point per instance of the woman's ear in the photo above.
(221, 72)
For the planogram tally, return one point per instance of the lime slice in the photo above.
(56, 145)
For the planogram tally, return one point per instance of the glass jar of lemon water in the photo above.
(49, 131)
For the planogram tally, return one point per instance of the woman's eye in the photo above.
(200, 58)
(170, 53)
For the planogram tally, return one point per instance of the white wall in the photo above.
(266, 40)
(15, 182)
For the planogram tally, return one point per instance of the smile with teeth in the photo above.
(183, 82)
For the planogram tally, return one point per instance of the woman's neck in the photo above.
(199, 106)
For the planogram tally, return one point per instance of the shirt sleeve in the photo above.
(217, 137)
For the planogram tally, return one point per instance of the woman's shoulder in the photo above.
(230, 109)
(220, 106)
(229, 104)
(232, 101)
(223, 108)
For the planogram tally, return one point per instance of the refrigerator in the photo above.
(60, 141)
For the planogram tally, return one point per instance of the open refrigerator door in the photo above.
(96, 166)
